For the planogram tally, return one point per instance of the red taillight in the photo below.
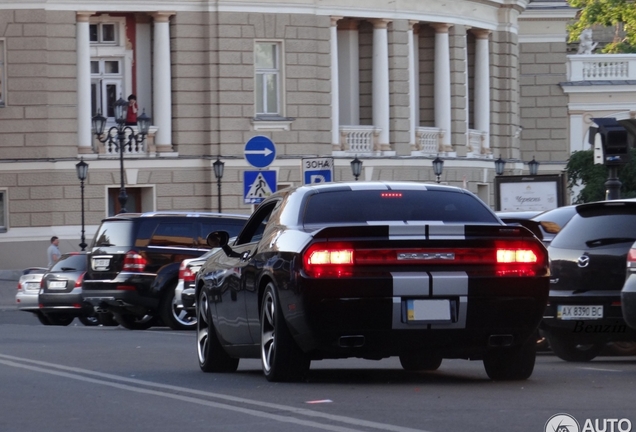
(631, 260)
(78, 282)
(521, 260)
(133, 262)
(186, 274)
(19, 286)
(329, 260)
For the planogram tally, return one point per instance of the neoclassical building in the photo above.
(395, 84)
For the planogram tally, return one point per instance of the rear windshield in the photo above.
(406, 205)
(114, 233)
(74, 262)
(596, 231)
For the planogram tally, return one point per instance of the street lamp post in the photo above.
(500, 165)
(121, 136)
(438, 168)
(356, 167)
(82, 172)
(533, 166)
(218, 173)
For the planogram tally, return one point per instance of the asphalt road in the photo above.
(80, 378)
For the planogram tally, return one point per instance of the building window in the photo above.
(140, 199)
(268, 79)
(3, 211)
(107, 83)
(3, 84)
(103, 33)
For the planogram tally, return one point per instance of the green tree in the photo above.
(620, 14)
(582, 171)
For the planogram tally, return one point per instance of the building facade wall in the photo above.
(213, 108)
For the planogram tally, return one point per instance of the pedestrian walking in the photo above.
(53, 252)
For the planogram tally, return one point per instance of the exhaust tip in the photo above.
(500, 340)
(351, 341)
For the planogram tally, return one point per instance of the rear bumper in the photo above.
(67, 303)
(610, 327)
(27, 300)
(357, 321)
(628, 301)
(128, 293)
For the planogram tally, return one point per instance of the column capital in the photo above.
(84, 16)
(334, 20)
(441, 27)
(163, 16)
(480, 33)
(413, 24)
(380, 23)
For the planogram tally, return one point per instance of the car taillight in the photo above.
(133, 262)
(186, 274)
(328, 260)
(78, 282)
(504, 258)
(631, 260)
(19, 286)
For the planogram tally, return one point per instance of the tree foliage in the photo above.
(620, 14)
(582, 172)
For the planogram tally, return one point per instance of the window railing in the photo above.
(359, 139)
(428, 140)
(601, 67)
(145, 148)
(477, 143)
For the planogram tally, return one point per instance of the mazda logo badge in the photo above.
(584, 261)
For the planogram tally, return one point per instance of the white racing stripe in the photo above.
(92, 377)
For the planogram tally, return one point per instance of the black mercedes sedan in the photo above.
(372, 270)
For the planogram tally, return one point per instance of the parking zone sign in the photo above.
(317, 170)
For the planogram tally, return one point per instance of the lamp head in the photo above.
(99, 124)
(500, 165)
(218, 166)
(82, 169)
(438, 166)
(356, 167)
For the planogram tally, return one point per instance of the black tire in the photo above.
(173, 317)
(420, 362)
(211, 355)
(43, 319)
(511, 364)
(60, 320)
(571, 350)
(134, 322)
(89, 320)
(107, 319)
(281, 359)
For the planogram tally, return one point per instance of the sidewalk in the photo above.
(8, 287)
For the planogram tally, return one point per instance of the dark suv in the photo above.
(588, 265)
(135, 259)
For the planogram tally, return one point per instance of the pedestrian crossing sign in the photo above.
(258, 185)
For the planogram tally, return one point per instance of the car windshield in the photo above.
(71, 262)
(596, 231)
(345, 206)
(114, 233)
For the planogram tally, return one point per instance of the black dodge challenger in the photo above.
(372, 270)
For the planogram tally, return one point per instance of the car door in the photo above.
(235, 280)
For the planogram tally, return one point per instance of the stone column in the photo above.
(381, 100)
(443, 83)
(349, 72)
(84, 133)
(162, 88)
(482, 86)
(413, 84)
(335, 91)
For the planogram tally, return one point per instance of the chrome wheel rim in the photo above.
(268, 336)
(203, 327)
(182, 316)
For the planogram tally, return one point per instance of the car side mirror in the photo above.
(221, 239)
(217, 239)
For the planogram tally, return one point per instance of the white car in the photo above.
(184, 292)
(26, 297)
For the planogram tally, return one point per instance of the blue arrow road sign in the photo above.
(260, 151)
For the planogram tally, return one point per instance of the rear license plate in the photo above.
(32, 286)
(428, 311)
(565, 312)
(100, 264)
(57, 284)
